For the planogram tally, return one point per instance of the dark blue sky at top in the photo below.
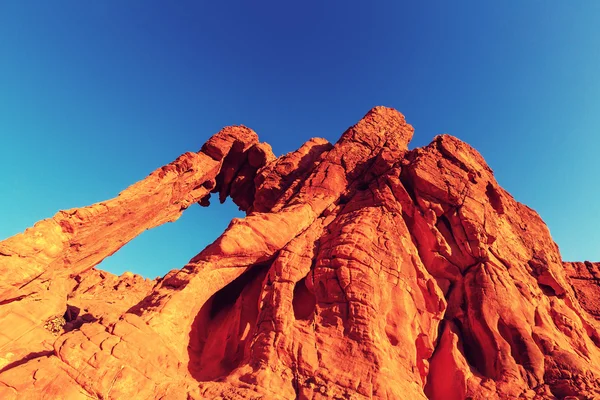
(94, 95)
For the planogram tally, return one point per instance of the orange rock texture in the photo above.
(361, 270)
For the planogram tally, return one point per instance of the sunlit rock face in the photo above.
(361, 270)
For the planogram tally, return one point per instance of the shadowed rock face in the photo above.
(362, 270)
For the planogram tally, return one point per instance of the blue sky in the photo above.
(96, 95)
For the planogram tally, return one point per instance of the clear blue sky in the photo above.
(94, 95)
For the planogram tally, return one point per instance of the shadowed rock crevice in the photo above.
(471, 348)
(494, 198)
(303, 302)
(221, 330)
(25, 359)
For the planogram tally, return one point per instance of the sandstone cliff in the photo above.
(362, 270)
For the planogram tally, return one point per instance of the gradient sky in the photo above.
(94, 95)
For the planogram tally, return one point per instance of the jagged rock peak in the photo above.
(381, 126)
(361, 270)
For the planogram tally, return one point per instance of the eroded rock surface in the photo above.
(585, 280)
(362, 270)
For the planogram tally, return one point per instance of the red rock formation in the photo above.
(585, 280)
(362, 270)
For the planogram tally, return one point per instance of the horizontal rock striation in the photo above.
(361, 270)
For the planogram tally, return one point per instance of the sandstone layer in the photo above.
(361, 270)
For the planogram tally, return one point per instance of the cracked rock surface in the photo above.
(361, 270)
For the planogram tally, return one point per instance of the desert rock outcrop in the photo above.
(362, 270)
